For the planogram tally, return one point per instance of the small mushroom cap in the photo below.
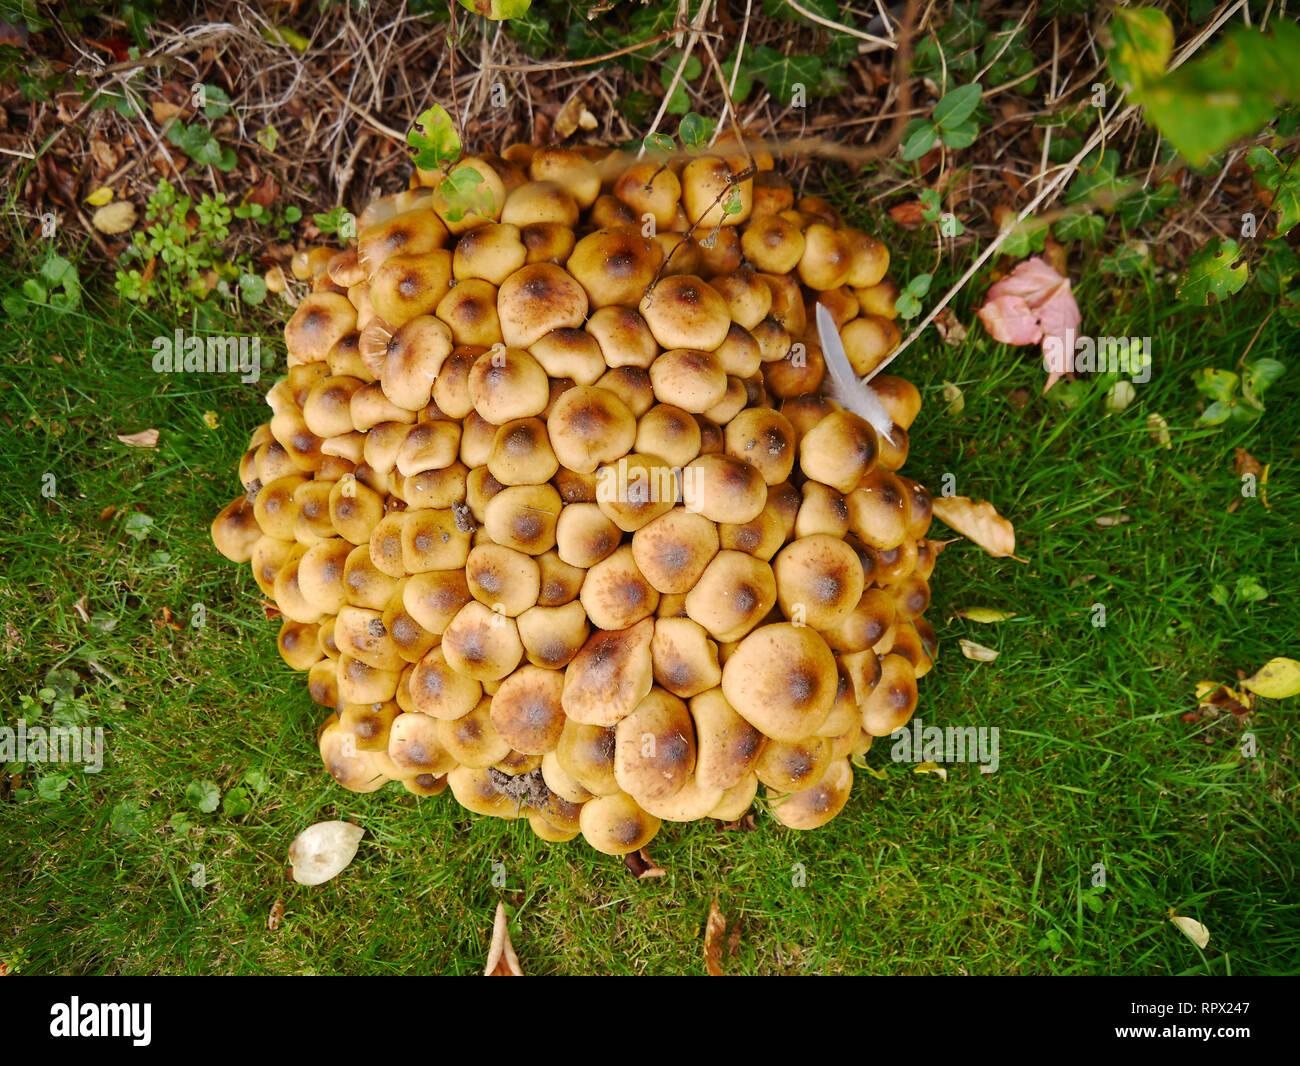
(773, 244)
(740, 355)
(610, 675)
(552, 636)
(814, 807)
(491, 253)
(410, 285)
(540, 201)
(880, 299)
(760, 537)
(867, 340)
(748, 299)
(584, 535)
(765, 439)
(735, 593)
(433, 598)
(891, 703)
(558, 780)
(547, 242)
(523, 517)
(615, 825)
(727, 745)
(615, 266)
(674, 549)
(321, 320)
(567, 168)
(589, 426)
(561, 582)
(521, 453)
(689, 378)
(654, 747)
(670, 433)
(879, 509)
(414, 747)
(405, 233)
(723, 488)
(839, 450)
(235, 530)
(684, 659)
(684, 311)
(819, 580)
(648, 188)
(441, 691)
(793, 765)
(636, 490)
(782, 680)
(472, 740)
(536, 299)
(476, 791)
(298, 645)
(354, 769)
(470, 311)
(736, 800)
(623, 337)
(502, 579)
(571, 353)
(826, 259)
(688, 804)
(526, 710)
(506, 384)
(615, 594)
(586, 754)
(822, 510)
(482, 644)
(709, 188)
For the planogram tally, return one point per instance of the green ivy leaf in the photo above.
(126, 819)
(465, 192)
(1216, 271)
(1097, 181)
(744, 83)
(782, 74)
(680, 101)
(1216, 414)
(497, 10)
(1258, 377)
(1080, 227)
(1277, 267)
(1145, 202)
(51, 786)
(957, 106)
(1142, 42)
(203, 796)
(695, 130)
(1129, 258)
(138, 525)
(434, 139)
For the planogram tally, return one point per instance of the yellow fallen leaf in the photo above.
(956, 401)
(322, 851)
(713, 930)
(980, 521)
(211, 419)
(100, 196)
(984, 615)
(1158, 428)
(930, 768)
(977, 651)
(1275, 680)
(1263, 487)
(502, 960)
(117, 217)
(146, 438)
(1192, 929)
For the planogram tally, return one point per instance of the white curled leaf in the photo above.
(1192, 929)
(323, 851)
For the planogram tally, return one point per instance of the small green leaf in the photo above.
(695, 130)
(1216, 271)
(920, 284)
(660, 143)
(258, 781)
(783, 75)
(126, 819)
(237, 802)
(1216, 414)
(268, 137)
(51, 786)
(956, 107)
(1219, 594)
(497, 10)
(922, 138)
(434, 139)
(285, 35)
(1259, 376)
(1142, 42)
(203, 796)
(1249, 590)
(1214, 384)
(215, 101)
(252, 288)
(1283, 181)
(680, 102)
(1081, 227)
(960, 136)
(138, 525)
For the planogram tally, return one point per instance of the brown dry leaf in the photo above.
(164, 110)
(264, 192)
(1245, 463)
(502, 960)
(81, 608)
(1158, 428)
(146, 438)
(117, 217)
(909, 215)
(951, 331)
(979, 521)
(276, 916)
(106, 157)
(1222, 698)
(713, 930)
(573, 116)
(640, 865)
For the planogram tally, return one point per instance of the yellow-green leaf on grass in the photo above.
(1142, 40)
(100, 196)
(984, 615)
(978, 652)
(931, 768)
(498, 10)
(1217, 270)
(978, 520)
(1192, 929)
(1276, 679)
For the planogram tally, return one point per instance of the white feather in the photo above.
(844, 386)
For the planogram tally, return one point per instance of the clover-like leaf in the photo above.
(436, 143)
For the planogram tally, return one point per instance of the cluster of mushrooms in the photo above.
(556, 515)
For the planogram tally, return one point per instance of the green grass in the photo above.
(978, 874)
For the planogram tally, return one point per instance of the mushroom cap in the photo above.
(470, 311)
(481, 643)
(689, 378)
(782, 680)
(615, 266)
(793, 765)
(589, 426)
(748, 299)
(409, 285)
(526, 710)
(615, 825)
(609, 676)
(709, 186)
(586, 754)
(615, 594)
(727, 745)
(673, 550)
(440, 690)
(735, 593)
(636, 490)
(890, 704)
(502, 579)
(321, 320)
(491, 253)
(236, 530)
(684, 311)
(536, 299)
(354, 769)
(814, 807)
(773, 244)
(765, 439)
(684, 659)
(648, 188)
(819, 580)
(552, 636)
(623, 337)
(508, 383)
(654, 747)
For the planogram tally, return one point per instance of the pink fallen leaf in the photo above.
(1031, 305)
